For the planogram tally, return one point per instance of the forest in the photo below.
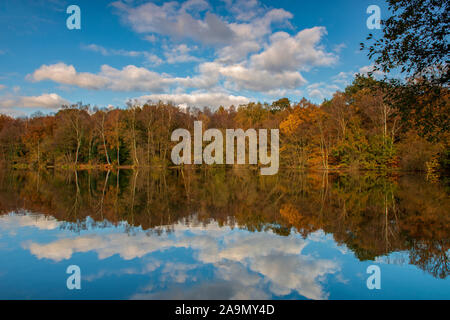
(357, 129)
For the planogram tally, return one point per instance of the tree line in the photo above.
(358, 128)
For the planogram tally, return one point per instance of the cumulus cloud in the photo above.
(244, 262)
(13, 222)
(50, 101)
(316, 94)
(197, 99)
(250, 36)
(174, 19)
(237, 52)
(244, 9)
(242, 77)
(47, 100)
(179, 54)
(132, 78)
(232, 281)
(260, 80)
(284, 272)
(247, 56)
(343, 78)
(184, 21)
(278, 65)
(321, 90)
(129, 78)
(259, 26)
(287, 53)
(66, 74)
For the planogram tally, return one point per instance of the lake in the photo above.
(223, 234)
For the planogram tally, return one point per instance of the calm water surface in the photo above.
(223, 234)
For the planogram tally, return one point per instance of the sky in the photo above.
(192, 53)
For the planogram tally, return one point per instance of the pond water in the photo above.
(223, 234)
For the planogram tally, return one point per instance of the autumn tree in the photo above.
(415, 44)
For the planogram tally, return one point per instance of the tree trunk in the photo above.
(104, 140)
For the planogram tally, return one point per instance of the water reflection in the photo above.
(223, 233)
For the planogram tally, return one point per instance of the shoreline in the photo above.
(105, 167)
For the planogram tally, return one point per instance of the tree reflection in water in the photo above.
(373, 215)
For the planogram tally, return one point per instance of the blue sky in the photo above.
(195, 52)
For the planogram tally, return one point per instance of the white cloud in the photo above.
(244, 10)
(50, 101)
(316, 94)
(132, 78)
(343, 78)
(244, 262)
(47, 100)
(285, 275)
(194, 5)
(339, 47)
(183, 21)
(2, 86)
(238, 52)
(370, 68)
(65, 74)
(321, 90)
(108, 52)
(151, 58)
(261, 80)
(247, 56)
(179, 54)
(197, 99)
(150, 38)
(260, 26)
(175, 20)
(278, 65)
(129, 78)
(12, 222)
(287, 53)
